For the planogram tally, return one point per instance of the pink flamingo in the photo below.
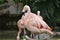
(47, 27)
(32, 22)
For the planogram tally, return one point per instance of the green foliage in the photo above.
(46, 7)
(1, 2)
(16, 1)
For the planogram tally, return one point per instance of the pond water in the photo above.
(11, 35)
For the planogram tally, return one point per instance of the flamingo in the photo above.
(38, 13)
(31, 22)
(37, 36)
(31, 15)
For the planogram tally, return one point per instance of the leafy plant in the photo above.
(1, 2)
(16, 1)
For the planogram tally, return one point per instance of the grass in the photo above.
(11, 35)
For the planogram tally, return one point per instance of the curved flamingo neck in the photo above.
(28, 11)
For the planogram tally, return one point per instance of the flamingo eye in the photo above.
(26, 11)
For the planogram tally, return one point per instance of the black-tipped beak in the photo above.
(22, 12)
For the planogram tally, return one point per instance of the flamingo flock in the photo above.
(32, 22)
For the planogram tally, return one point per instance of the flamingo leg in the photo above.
(18, 35)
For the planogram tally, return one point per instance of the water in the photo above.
(11, 35)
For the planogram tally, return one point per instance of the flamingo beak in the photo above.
(24, 11)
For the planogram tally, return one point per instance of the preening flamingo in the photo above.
(32, 22)
(47, 27)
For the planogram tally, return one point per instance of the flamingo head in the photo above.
(38, 12)
(26, 9)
